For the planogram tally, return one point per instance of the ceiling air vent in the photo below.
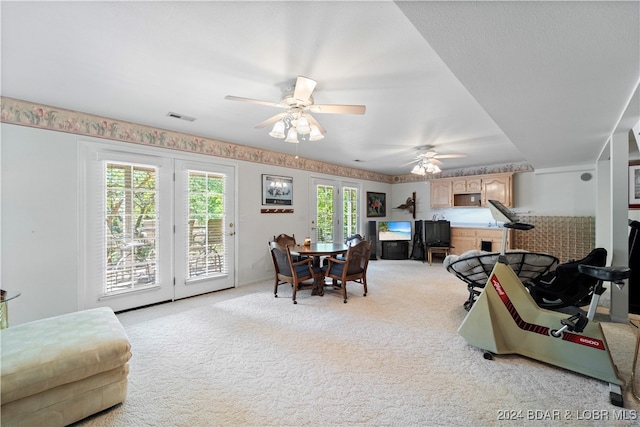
(181, 117)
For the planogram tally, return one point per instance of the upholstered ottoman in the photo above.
(59, 370)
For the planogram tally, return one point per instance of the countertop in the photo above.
(483, 225)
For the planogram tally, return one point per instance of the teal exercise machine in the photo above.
(505, 319)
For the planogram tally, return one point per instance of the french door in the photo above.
(154, 228)
(336, 210)
(205, 229)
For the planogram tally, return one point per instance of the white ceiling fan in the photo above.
(296, 123)
(428, 162)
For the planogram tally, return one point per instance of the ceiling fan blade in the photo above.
(304, 87)
(314, 122)
(435, 161)
(411, 162)
(255, 101)
(338, 109)
(449, 156)
(271, 120)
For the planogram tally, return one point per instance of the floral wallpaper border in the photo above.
(24, 113)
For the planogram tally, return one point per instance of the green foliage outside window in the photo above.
(325, 214)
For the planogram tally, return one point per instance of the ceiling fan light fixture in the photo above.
(425, 167)
(315, 134)
(292, 136)
(278, 130)
(302, 127)
(298, 99)
(418, 170)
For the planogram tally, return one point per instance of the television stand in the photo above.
(445, 250)
(395, 249)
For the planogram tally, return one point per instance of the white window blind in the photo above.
(131, 226)
(206, 243)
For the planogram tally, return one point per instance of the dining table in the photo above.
(317, 251)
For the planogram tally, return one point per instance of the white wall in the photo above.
(39, 216)
(39, 247)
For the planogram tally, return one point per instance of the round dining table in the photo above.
(317, 251)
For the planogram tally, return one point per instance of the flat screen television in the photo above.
(394, 230)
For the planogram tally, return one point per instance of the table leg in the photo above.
(318, 281)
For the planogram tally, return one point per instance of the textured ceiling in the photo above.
(541, 82)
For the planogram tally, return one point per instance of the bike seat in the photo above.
(606, 274)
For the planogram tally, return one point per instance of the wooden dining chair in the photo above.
(285, 240)
(352, 269)
(297, 273)
(352, 240)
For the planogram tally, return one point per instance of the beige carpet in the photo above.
(242, 357)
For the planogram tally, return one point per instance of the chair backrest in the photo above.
(285, 240)
(281, 259)
(353, 240)
(567, 274)
(357, 258)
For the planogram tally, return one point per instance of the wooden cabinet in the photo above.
(465, 239)
(441, 195)
(498, 187)
(472, 191)
(467, 185)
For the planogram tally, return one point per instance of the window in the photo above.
(206, 243)
(325, 208)
(131, 234)
(350, 206)
(337, 212)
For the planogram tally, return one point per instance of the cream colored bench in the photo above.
(59, 370)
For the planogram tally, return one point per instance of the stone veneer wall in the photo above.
(565, 237)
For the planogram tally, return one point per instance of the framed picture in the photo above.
(277, 190)
(634, 184)
(376, 204)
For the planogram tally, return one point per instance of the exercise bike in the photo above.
(505, 319)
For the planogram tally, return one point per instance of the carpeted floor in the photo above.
(244, 358)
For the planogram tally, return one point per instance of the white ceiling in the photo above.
(541, 82)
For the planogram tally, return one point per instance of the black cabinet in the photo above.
(395, 250)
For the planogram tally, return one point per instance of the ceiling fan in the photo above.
(428, 162)
(296, 123)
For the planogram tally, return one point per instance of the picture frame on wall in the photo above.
(634, 184)
(277, 190)
(376, 204)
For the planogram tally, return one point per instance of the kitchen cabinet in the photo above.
(467, 185)
(472, 191)
(441, 195)
(464, 239)
(498, 187)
